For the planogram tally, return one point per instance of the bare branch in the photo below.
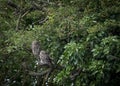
(18, 22)
(28, 11)
(37, 6)
(39, 74)
(41, 21)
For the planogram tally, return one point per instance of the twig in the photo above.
(40, 21)
(28, 11)
(18, 22)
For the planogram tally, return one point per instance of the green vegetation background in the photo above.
(77, 34)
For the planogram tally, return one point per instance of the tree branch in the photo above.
(39, 74)
(11, 4)
(18, 22)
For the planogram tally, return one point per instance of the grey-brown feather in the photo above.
(44, 58)
(35, 48)
(41, 55)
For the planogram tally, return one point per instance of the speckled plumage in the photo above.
(41, 55)
(44, 58)
(35, 48)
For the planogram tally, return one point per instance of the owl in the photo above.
(44, 58)
(36, 48)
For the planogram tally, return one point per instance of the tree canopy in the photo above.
(81, 36)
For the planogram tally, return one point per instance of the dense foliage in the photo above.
(78, 34)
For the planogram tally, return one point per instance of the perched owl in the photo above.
(44, 58)
(36, 48)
